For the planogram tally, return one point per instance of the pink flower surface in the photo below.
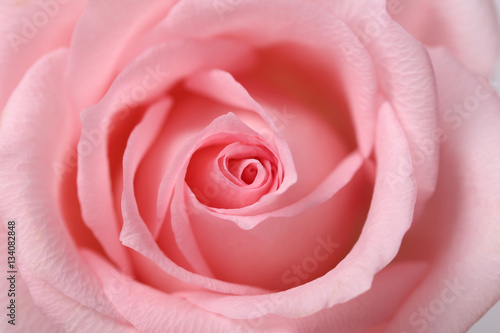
(249, 166)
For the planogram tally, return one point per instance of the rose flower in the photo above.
(249, 166)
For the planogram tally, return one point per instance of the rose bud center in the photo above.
(233, 175)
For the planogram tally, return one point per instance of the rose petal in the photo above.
(335, 181)
(142, 81)
(243, 255)
(139, 142)
(30, 186)
(390, 216)
(32, 29)
(361, 314)
(100, 37)
(307, 25)
(468, 29)
(222, 86)
(225, 128)
(222, 244)
(463, 247)
(22, 299)
(136, 235)
(69, 315)
(213, 83)
(208, 169)
(190, 115)
(407, 80)
(151, 311)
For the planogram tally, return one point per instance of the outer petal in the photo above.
(469, 29)
(152, 311)
(30, 29)
(464, 215)
(100, 37)
(69, 315)
(28, 316)
(406, 80)
(29, 192)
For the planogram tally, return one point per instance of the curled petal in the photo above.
(390, 216)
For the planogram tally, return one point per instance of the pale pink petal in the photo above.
(223, 87)
(190, 115)
(224, 245)
(463, 248)
(224, 131)
(407, 80)
(138, 144)
(327, 230)
(136, 235)
(29, 30)
(333, 183)
(143, 81)
(186, 171)
(390, 287)
(304, 25)
(30, 193)
(100, 37)
(68, 315)
(183, 233)
(28, 316)
(152, 311)
(468, 29)
(222, 165)
(390, 216)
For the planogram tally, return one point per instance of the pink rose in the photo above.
(249, 166)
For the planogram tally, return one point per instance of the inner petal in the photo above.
(248, 166)
(249, 173)
(233, 174)
(245, 170)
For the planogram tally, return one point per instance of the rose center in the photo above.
(233, 175)
(249, 173)
(244, 170)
